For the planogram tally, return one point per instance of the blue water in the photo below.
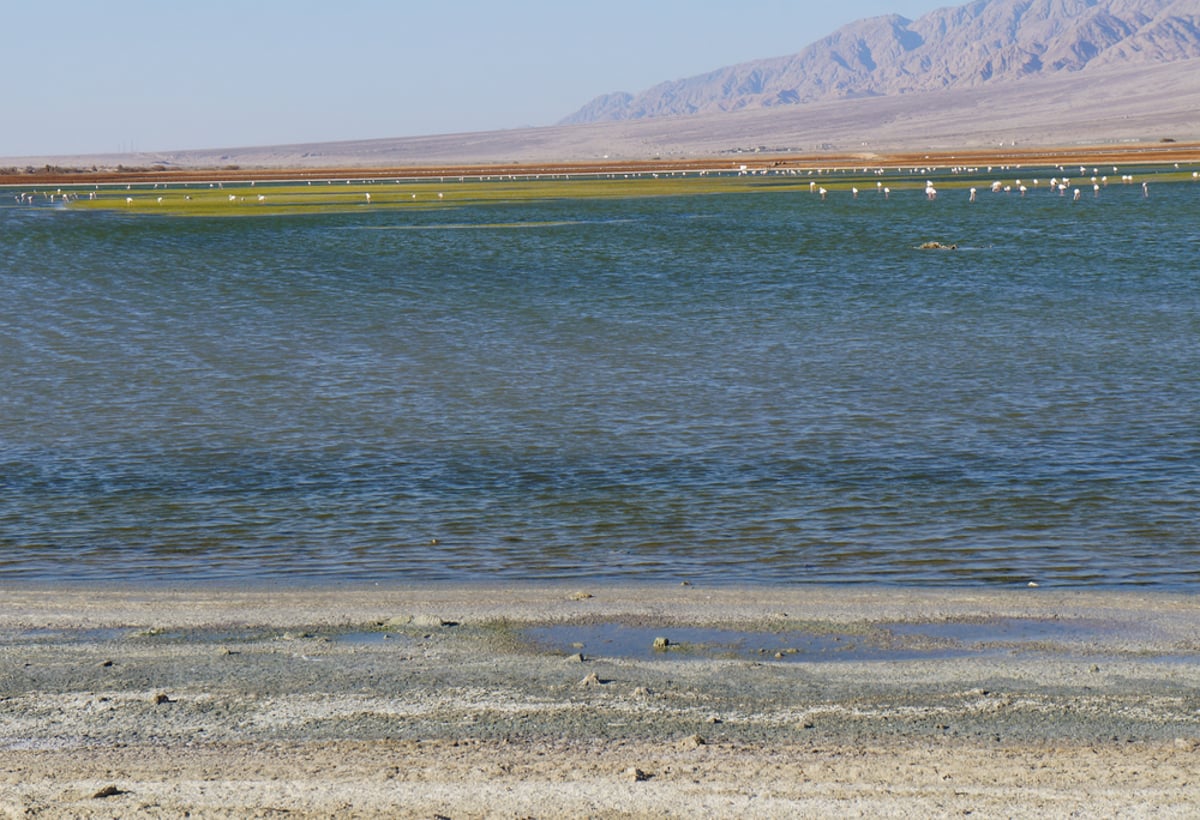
(734, 388)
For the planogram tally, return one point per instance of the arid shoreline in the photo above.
(1127, 156)
(432, 700)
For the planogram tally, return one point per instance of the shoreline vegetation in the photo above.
(483, 701)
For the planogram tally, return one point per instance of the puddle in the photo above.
(621, 641)
(877, 642)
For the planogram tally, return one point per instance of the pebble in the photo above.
(591, 680)
(636, 775)
(580, 596)
(107, 791)
(693, 741)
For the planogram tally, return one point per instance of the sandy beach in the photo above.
(543, 701)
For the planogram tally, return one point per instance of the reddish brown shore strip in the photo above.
(1139, 154)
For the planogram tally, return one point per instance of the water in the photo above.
(753, 388)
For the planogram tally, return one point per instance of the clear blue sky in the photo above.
(98, 76)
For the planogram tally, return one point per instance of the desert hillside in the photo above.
(979, 44)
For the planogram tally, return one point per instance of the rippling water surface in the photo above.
(738, 388)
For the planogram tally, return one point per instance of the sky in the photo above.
(92, 76)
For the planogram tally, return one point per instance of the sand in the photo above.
(435, 701)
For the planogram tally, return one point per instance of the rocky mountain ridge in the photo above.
(978, 44)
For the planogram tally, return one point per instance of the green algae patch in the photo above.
(222, 200)
(237, 199)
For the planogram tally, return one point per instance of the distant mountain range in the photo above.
(976, 45)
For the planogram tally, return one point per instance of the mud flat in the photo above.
(462, 701)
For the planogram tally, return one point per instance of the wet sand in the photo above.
(437, 701)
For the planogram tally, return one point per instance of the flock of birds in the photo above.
(1060, 186)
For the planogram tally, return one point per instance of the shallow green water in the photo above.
(742, 388)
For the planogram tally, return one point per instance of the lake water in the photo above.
(730, 388)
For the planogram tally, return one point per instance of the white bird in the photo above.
(972, 195)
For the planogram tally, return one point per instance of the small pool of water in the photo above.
(882, 642)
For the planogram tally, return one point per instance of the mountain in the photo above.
(980, 44)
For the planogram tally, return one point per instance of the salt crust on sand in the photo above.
(244, 702)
